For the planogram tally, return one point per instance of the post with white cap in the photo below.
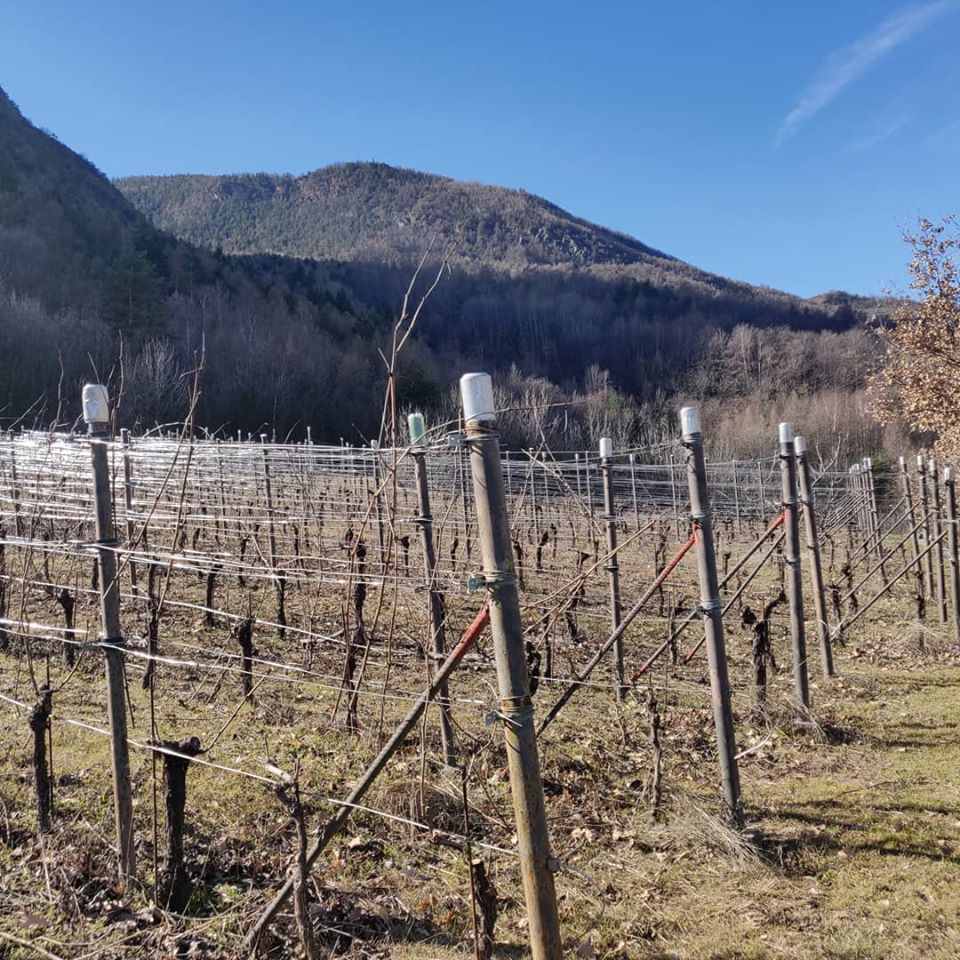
(813, 551)
(914, 536)
(436, 610)
(950, 486)
(788, 479)
(537, 864)
(613, 564)
(96, 413)
(875, 528)
(925, 516)
(711, 609)
(937, 530)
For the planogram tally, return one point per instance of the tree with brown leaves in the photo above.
(918, 378)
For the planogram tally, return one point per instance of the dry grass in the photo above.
(852, 850)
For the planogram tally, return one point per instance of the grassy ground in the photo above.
(854, 855)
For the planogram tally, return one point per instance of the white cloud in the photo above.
(844, 65)
(880, 134)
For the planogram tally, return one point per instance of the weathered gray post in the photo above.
(437, 613)
(927, 529)
(278, 580)
(378, 494)
(15, 488)
(875, 528)
(791, 557)
(953, 539)
(763, 493)
(96, 413)
(937, 530)
(613, 564)
(710, 606)
(736, 499)
(813, 551)
(911, 516)
(633, 487)
(128, 504)
(537, 864)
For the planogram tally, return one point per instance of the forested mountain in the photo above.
(291, 286)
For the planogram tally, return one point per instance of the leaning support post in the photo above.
(613, 565)
(96, 413)
(788, 477)
(813, 551)
(339, 819)
(537, 865)
(950, 486)
(710, 606)
(437, 612)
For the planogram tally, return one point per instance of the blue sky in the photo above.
(782, 143)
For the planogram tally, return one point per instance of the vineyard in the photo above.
(439, 699)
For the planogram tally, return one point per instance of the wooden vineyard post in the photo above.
(537, 864)
(378, 494)
(925, 516)
(876, 531)
(437, 611)
(950, 486)
(914, 537)
(736, 499)
(96, 413)
(813, 551)
(128, 504)
(937, 530)
(633, 490)
(788, 477)
(710, 607)
(613, 564)
(278, 580)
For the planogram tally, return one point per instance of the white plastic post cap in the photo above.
(800, 445)
(417, 427)
(903, 462)
(374, 444)
(932, 465)
(867, 463)
(948, 474)
(919, 461)
(476, 392)
(96, 403)
(786, 432)
(690, 421)
(606, 447)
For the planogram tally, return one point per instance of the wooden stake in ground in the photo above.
(613, 565)
(96, 413)
(711, 608)
(937, 530)
(791, 557)
(128, 504)
(914, 537)
(537, 865)
(437, 611)
(813, 551)
(950, 485)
